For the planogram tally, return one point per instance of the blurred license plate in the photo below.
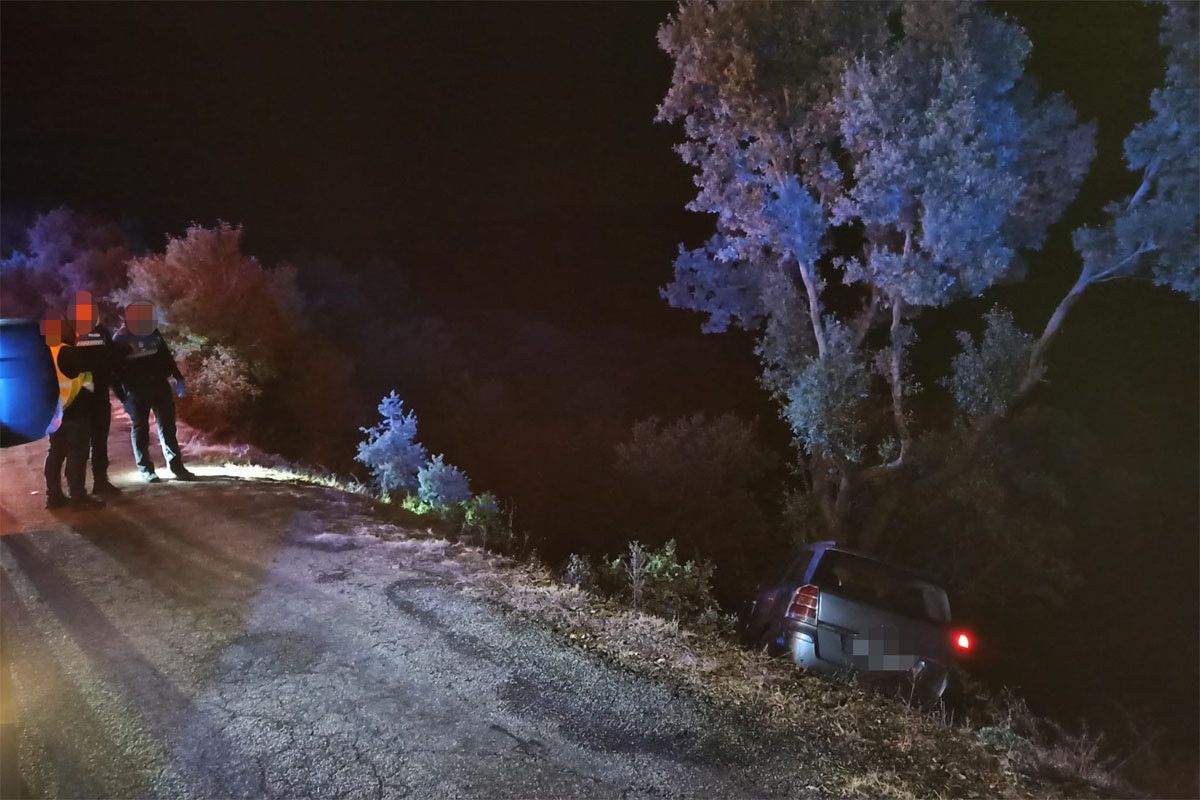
(882, 650)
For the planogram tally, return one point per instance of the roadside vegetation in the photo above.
(651, 612)
(856, 199)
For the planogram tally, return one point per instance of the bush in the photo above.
(578, 571)
(657, 582)
(391, 451)
(696, 481)
(221, 379)
(482, 522)
(441, 486)
(241, 332)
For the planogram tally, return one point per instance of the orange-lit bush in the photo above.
(256, 368)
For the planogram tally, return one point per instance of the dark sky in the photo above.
(504, 156)
(505, 152)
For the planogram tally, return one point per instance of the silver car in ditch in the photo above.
(836, 611)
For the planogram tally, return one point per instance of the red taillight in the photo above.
(803, 607)
(963, 642)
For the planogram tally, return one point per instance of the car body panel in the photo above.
(873, 618)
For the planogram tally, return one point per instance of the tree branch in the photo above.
(897, 365)
(820, 488)
(1147, 180)
(1037, 356)
(1033, 375)
(814, 306)
(866, 318)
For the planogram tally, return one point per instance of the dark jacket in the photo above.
(104, 362)
(145, 360)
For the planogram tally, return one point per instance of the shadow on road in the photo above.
(161, 706)
(86, 742)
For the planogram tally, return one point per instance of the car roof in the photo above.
(832, 545)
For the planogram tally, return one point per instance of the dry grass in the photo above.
(895, 752)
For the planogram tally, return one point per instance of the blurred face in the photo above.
(52, 330)
(139, 318)
(83, 313)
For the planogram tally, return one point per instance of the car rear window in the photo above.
(881, 585)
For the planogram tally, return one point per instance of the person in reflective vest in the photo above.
(70, 431)
(147, 367)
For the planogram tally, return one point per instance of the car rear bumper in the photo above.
(802, 646)
(930, 676)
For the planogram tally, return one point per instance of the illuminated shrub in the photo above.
(655, 580)
(986, 377)
(578, 571)
(221, 380)
(441, 485)
(482, 520)
(391, 451)
(256, 368)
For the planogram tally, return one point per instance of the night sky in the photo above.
(503, 155)
(505, 158)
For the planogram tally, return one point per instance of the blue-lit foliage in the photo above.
(1153, 231)
(391, 450)
(825, 401)
(985, 378)
(930, 148)
(441, 485)
(900, 150)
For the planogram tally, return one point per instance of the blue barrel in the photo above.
(28, 383)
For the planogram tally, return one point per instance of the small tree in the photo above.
(391, 450)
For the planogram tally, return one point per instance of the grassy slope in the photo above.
(873, 746)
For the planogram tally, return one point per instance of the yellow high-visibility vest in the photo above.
(68, 388)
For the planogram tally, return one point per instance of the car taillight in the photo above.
(963, 643)
(803, 607)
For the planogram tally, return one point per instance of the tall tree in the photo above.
(866, 162)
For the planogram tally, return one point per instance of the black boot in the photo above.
(101, 485)
(54, 501)
(181, 473)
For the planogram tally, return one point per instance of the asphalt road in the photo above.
(242, 638)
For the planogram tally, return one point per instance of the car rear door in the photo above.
(873, 617)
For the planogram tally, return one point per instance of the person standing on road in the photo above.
(146, 369)
(104, 363)
(69, 431)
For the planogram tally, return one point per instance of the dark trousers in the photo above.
(100, 423)
(68, 444)
(139, 402)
